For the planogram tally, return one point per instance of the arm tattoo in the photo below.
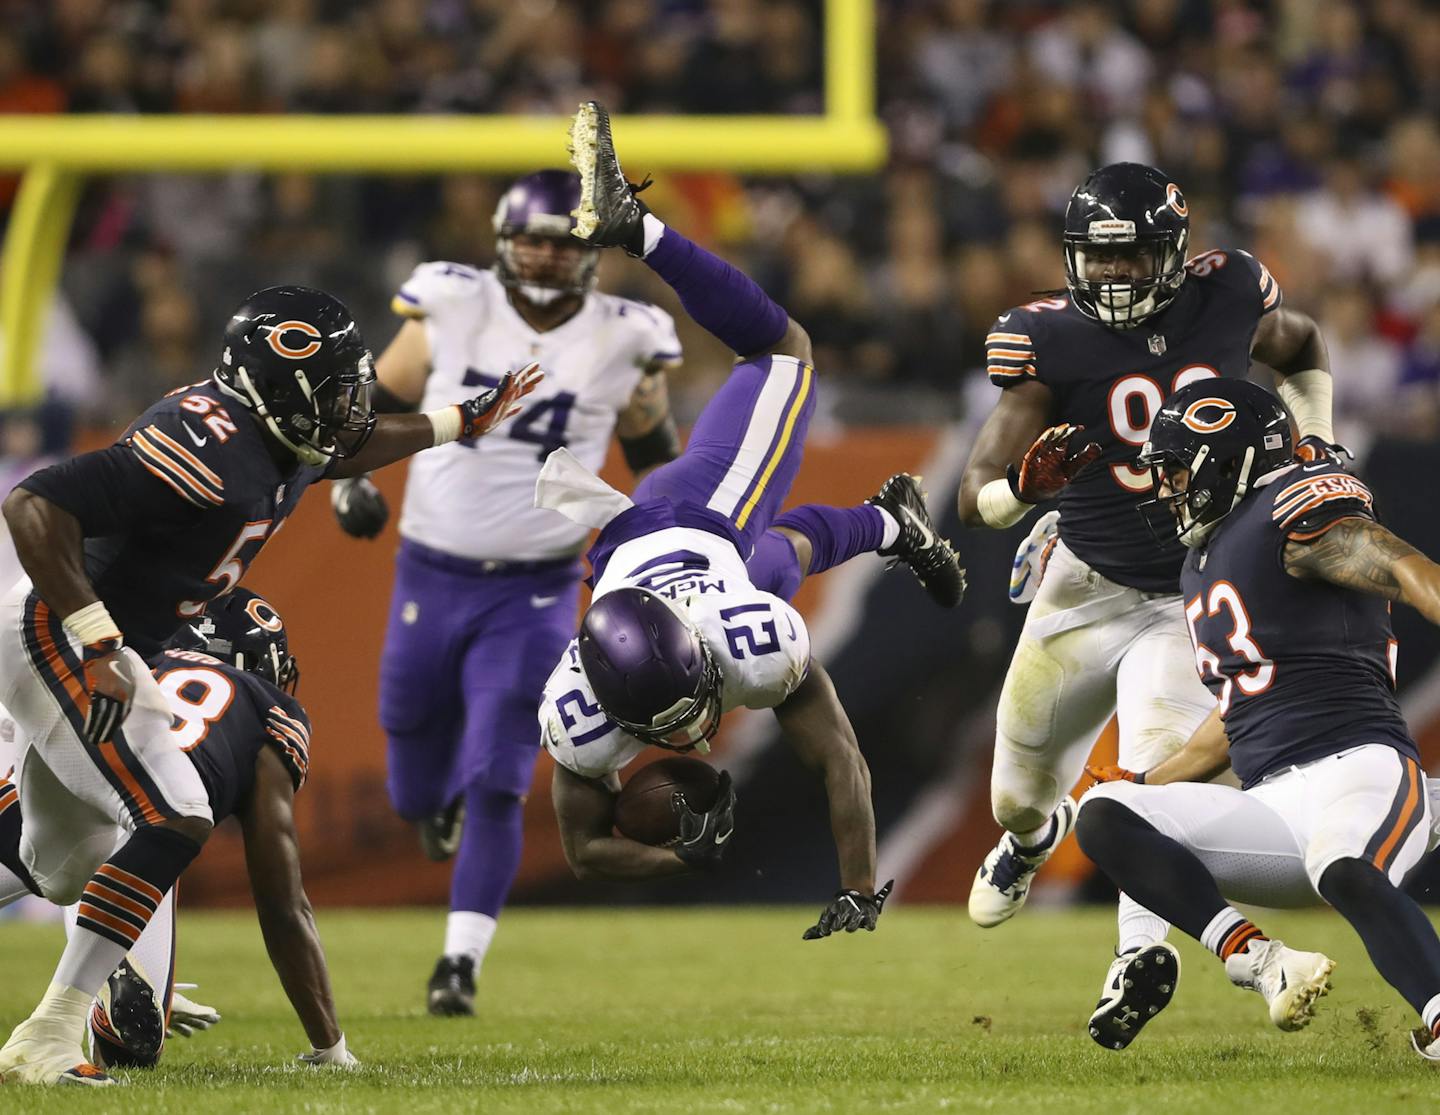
(1354, 553)
(649, 406)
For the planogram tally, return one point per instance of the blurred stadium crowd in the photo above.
(1304, 130)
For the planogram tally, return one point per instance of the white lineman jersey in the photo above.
(476, 499)
(759, 642)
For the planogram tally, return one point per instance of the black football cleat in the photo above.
(440, 832)
(127, 1023)
(609, 214)
(452, 987)
(1139, 985)
(928, 555)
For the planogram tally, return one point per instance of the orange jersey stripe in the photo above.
(1010, 354)
(206, 473)
(1001, 370)
(1015, 338)
(73, 685)
(179, 472)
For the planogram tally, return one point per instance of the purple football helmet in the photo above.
(650, 670)
(534, 210)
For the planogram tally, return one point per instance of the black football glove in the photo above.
(110, 688)
(850, 910)
(704, 836)
(1314, 448)
(359, 507)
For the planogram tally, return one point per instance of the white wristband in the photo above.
(1308, 394)
(446, 424)
(999, 506)
(91, 624)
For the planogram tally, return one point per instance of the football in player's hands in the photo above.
(480, 415)
(1055, 459)
(645, 811)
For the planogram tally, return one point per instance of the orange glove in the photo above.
(1114, 774)
(1050, 464)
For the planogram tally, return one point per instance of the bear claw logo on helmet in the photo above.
(313, 395)
(1131, 212)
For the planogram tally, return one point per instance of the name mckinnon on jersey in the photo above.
(1112, 382)
(759, 642)
(592, 363)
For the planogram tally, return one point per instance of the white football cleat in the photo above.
(39, 1052)
(1139, 985)
(1430, 1050)
(1003, 882)
(1290, 981)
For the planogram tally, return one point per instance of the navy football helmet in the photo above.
(1132, 212)
(536, 208)
(243, 629)
(1212, 440)
(294, 357)
(650, 670)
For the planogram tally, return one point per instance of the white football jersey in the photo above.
(476, 500)
(759, 642)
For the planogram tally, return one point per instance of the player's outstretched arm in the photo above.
(398, 436)
(646, 428)
(1019, 459)
(585, 810)
(815, 725)
(1205, 754)
(272, 858)
(1360, 554)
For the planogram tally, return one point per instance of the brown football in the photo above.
(643, 811)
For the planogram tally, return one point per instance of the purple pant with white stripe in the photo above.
(745, 449)
(463, 669)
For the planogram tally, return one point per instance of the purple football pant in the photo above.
(462, 673)
(745, 448)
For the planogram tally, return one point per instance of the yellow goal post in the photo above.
(56, 152)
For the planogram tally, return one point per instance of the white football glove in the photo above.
(188, 1016)
(1028, 568)
(336, 1055)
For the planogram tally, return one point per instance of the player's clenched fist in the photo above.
(359, 506)
(1050, 463)
(480, 415)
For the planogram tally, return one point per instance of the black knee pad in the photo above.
(1352, 880)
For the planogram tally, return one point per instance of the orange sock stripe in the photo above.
(97, 890)
(100, 917)
(134, 882)
(1238, 938)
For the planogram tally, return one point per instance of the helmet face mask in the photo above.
(1126, 234)
(294, 357)
(651, 671)
(535, 255)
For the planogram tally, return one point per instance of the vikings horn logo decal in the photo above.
(276, 340)
(1221, 414)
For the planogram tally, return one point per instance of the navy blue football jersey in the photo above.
(176, 510)
(1302, 668)
(224, 717)
(1112, 382)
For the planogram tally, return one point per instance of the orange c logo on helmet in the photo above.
(1192, 419)
(263, 614)
(1176, 200)
(276, 339)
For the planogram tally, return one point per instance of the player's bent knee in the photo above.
(197, 829)
(1350, 881)
(1102, 821)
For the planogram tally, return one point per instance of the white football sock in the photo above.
(892, 529)
(469, 934)
(1138, 926)
(654, 228)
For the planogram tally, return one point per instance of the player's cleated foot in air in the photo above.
(609, 214)
(127, 1023)
(452, 986)
(40, 1052)
(440, 832)
(1003, 882)
(1139, 985)
(1290, 981)
(928, 555)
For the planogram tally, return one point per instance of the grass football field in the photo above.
(725, 1010)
